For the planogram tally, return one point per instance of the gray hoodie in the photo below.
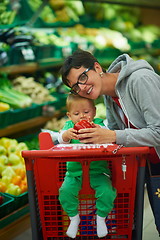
(138, 89)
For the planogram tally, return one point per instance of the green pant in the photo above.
(104, 193)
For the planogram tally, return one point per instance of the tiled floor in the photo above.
(149, 231)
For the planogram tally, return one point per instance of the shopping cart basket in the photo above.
(45, 173)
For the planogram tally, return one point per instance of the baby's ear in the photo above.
(68, 115)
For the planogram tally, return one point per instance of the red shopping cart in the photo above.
(45, 173)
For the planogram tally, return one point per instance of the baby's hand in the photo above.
(92, 123)
(69, 134)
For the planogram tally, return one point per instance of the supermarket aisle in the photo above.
(149, 231)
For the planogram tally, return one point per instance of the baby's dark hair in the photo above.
(78, 59)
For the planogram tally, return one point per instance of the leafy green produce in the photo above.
(32, 143)
(76, 6)
(101, 110)
(14, 98)
(46, 15)
(134, 35)
(7, 16)
(150, 33)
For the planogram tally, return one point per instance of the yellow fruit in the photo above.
(3, 187)
(7, 142)
(13, 159)
(6, 180)
(3, 159)
(13, 189)
(3, 150)
(2, 168)
(58, 4)
(4, 106)
(12, 149)
(23, 186)
(21, 172)
(16, 180)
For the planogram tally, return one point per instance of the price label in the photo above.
(28, 54)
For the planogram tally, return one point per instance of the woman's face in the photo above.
(92, 88)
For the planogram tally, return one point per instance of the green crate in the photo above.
(48, 52)
(137, 45)
(20, 200)
(7, 206)
(107, 56)
(11, 116)
(71, 23)
(156, 44)
(19, 115)
(14, 216)
(16, 56)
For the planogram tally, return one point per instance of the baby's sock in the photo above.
(73, 227)
(102, 230)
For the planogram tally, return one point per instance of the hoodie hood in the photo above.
(126, 66)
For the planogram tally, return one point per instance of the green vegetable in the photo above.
(76, 6)
(14, 98)
(32, 143)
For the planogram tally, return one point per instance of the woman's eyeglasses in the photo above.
(83, 78)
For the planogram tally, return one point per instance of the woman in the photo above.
(131, 91)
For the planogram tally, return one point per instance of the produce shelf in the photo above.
(50, 62)
(13, 121)
(19, 68)
(19, 200)
(134, 3)
(32, 67)
(7, 206)
(18, 127)
(15, 223)
(13, 116)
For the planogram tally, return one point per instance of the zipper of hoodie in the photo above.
(125, 112)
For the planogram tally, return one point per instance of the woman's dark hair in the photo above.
(78, 59)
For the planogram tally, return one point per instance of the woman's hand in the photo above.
(95, 125)
(96, 135)
(69, 134)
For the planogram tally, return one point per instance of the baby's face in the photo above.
(82, 109)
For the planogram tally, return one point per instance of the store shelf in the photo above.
(28, 124)
(50, 62)
(20, 120)
(20, 68)
(32, 67)
(15, 223)
(135, 3)
(22, 126)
